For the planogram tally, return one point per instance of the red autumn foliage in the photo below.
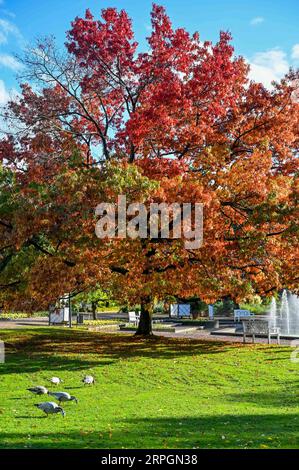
(179, 123)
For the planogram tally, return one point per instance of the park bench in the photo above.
(239, 314)
(133, 318)
(253, 327)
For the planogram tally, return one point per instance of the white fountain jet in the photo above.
(285, 312)
(286, 315)
(293, 301)
(273, 313)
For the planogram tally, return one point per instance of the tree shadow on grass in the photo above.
(278, 399)
(31, 417)
(46, 349)
(113, 345)
(20, 363)
(225, 431)
(39, 349)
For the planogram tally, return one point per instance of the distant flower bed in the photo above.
(20, 315)
(156, 327)
(100, 322)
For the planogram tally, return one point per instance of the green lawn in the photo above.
(162, 393)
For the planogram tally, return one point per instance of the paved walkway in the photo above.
(23, 323)
(205, 335)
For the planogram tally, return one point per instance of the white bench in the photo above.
(252, 327)
(134, 318)
(238, 314)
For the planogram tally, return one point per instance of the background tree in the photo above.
(178, 123)
(93, 299)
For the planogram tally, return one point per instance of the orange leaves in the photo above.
(161, 168)
(248, 177)
(179, 123)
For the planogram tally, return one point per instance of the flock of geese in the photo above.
(51, 407)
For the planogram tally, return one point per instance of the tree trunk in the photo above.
(94, 310)
(145, 322)
(227, 307)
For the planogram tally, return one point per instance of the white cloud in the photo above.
(7, 94)
(3, 38)
(268, 66)
(4, 95)
(295, 52)
(257, 20)
(10, 62)
(8, 13)
(8, 28)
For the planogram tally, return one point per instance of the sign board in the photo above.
(59, 313)
(180, 310)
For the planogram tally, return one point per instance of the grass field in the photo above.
(162, 393)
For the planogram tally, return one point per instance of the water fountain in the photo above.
(285, 313)
(273, 313)
(293, 301)
(286, 316)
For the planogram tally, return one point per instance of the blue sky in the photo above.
(266, 32)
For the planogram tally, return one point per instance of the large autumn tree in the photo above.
(179, 123)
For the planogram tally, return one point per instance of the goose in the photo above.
(63, 396)
(50, 407)
(39, 390)
(88, 380)
(56, 380)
